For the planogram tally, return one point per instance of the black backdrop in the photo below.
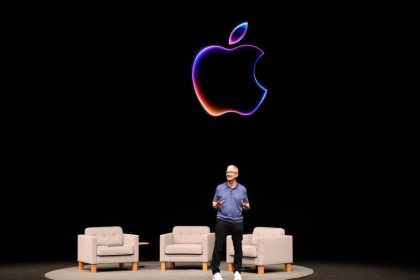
(102, 126)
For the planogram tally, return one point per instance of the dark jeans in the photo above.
(222, 230)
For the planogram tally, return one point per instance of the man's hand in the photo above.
(217, 204)
(245, 205)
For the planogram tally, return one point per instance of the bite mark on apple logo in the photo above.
(224, 79)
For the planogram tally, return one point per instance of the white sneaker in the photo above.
(217, 276)
(237, 276)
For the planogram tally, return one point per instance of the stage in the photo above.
(321, 270)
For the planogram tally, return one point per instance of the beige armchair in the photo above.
(265, 246)
(186, 244)
(101, 245)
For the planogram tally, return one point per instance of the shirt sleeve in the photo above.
(245, 199)
(216, 195)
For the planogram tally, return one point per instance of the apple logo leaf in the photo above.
(238, 33)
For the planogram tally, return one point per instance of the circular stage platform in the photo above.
(151, 271)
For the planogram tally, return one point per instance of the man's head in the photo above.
(231, 172)
(232, 168)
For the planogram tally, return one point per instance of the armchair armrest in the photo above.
(274, 250)
(86, 248)
(246, 239)
(208, 246)
(133, 240)
(165, 239)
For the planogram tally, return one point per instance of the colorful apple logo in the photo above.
(224, 79)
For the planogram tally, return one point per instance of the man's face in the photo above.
(231, 175)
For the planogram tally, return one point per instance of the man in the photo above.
(229, 200)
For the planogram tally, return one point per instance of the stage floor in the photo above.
(185, 271)
(322, 270)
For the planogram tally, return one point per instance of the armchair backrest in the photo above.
(189, 234)
(106, 236)
(260, 232)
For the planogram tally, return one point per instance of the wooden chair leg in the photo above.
(288, 267)
(93, 268)
(205, 266)
(230, 267)
(135, 266)
(162, 266)
(81, 266)
(260, 269)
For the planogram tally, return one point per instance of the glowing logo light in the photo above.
(224, 79)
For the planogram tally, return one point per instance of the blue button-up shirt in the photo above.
(231, 210)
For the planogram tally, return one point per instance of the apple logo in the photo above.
(224, 79)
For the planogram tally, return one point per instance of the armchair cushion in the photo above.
(261, 232)
(189, 234)
(115, 250)
(106, 236)
(249, 251)
(184, 249)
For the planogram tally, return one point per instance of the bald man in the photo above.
(229, 200)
